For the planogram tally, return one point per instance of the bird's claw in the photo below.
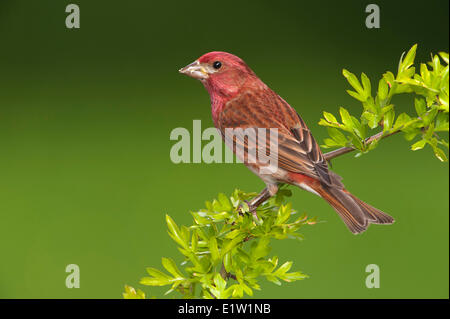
(251, 209)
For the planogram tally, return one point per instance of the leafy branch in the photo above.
(431, 89)
(226, 249)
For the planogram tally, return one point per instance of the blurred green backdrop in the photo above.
(85, 118)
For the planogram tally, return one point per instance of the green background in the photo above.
(85, 118)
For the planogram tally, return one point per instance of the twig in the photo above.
(226, 275)
(344, 150)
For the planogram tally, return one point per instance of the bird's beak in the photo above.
(195, 70)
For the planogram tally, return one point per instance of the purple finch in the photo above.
(239, 99)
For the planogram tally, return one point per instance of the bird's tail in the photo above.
(355, 213)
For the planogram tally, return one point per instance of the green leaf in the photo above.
(157, 273)
(439, 153)
(420, 105)
(283, 268)
(261, 248)
(283, 214)
(233, 233)
(442, 122)
(346, 119)
(353, 80)
(429, 116)
(194, 241)
(372, 119)
(444, 56)
(429, 132)
(444, 100)
(373, 106)
(232, 243)
(402, 121)
(238, 291)
(408, 60)
(225, 202)
(227, 261)
(388, 120)
(436, 64)
(174, 232)
(358, 128)
(214, 250)
(131, 293)
(418, 145)
(247, 289)
(329, 117)
(357, 96)
(152, 281)
(357, 143)
(219, 282)
(389, 78)
(171, 267)
(425, 74)
(330, 143)
(410, 134)
(293, 276)
(337, 136)
(273, 279)
(323, 122)
(382, 89)
(366, 85)
(373, 144)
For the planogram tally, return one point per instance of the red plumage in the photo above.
(239, 99)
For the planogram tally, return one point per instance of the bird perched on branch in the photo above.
(240, 100)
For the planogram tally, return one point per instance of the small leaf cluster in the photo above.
(226, 249)
(430, 86)
(131, 293)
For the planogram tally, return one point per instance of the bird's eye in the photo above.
(217, 65)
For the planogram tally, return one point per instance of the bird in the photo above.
(241, 100)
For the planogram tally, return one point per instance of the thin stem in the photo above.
(344, 150)
(226, 275)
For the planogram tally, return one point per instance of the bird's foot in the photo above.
(255, 215)
(251, 209)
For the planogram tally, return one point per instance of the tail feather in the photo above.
(355, 213)
(378, 217)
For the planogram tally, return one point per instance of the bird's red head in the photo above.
(223, 74)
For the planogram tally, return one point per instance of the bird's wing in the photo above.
(298, 152)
